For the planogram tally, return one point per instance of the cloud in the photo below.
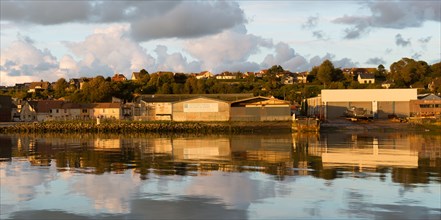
(45, 12)
(320, 35)
(189, 20)
(311, 22)
(425, 40)
(400, 41)
(290, 60)
(391, 14)
(375, 61)
(21, 60)
(175, 62)
(228, 48)
(286, 57)
(110, 49)
(416, 56)
(148, 19)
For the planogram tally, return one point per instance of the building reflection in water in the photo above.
(320, 155)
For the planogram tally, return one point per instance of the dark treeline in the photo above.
(404, 73)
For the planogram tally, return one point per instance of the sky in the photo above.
(48, 40)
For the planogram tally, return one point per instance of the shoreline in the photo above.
(210, 127)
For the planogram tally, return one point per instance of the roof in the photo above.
(181, 97)
(44, 106)
(136, 75)
(259, 100)
(71, 105)
(42, 85)
(366, 76)
(106, 105)
(119, 77)
(428, 96)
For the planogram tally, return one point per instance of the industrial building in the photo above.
(260, 109)
(381, 103)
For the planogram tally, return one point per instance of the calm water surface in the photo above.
(277, 176)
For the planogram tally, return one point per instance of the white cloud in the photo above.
(228, 48)
(110, 49)
(22, 61)
(175, 62)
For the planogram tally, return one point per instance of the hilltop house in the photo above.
(118, 77)
(136, 76)
(38, 86)
(366, 78)
(204, 75)
(227, 75)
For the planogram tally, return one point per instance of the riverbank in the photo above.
(213, 127)
(155, 127)
(381, 125)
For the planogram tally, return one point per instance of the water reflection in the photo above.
(238, 176)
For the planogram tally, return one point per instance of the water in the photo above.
(274, 176)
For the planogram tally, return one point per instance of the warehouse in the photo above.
(201, 109)
(260, 109)
(380, 103)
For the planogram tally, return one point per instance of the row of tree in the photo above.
(404, 73)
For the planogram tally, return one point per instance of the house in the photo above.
(426, 105)
(381, 103)
(302, 77)
(261, 73)
(201, 109)
(227, 75)
(260, 109)
(71, 111)
(288, 80)
(204, 75)
(106, 110)
(136, 76)
(38, 86)
(6, 107)
(38, 110)
(356, 71)
(118, 77)
(366, 78)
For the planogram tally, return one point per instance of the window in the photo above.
(84, 110)
(57, 110)
(365, 81)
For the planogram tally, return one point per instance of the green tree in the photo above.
(97, 90)
(380, 73)
(325, 73)
(435, 70)
(60, 88)
(406, 72)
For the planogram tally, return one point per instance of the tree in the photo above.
(97, 90)
(406, 72)
(60, 88)
(380, 73)
(325, 73)
(435, 70)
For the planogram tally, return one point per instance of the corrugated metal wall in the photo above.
(266, 113)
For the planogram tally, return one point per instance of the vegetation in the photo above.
(404, 73)
(117, 126)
